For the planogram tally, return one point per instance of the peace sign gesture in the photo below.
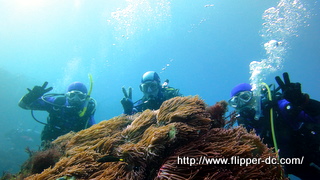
(126, 94)
(126, 102)
(291, 91)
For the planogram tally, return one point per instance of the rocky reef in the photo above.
(148, 145)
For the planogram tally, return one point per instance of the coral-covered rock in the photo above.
(146, 146)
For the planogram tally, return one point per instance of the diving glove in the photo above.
(126, 102)
(36, 93)
(292, 91)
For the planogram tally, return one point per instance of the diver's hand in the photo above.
(291, 91)
(126, 102)
(36, 92)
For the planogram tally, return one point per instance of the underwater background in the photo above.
(203, 47)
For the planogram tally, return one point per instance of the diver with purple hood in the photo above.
(70, 111)
(288, 121)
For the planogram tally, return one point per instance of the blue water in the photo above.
(203, 47)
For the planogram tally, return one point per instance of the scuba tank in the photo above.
(165, 84)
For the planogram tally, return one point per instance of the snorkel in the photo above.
(81, 113)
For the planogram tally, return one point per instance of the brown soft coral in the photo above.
(217, 114)
(221, 144)
(189, 110)
(146, 140)
(43, 159)
(135, 130)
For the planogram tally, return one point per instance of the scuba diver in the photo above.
(72, 111)
(154, 94)
(288, 121)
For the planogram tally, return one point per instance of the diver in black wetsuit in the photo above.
(154, 94)
(72, 111)
(296, 120)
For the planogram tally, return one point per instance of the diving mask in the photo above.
(76, 96)
(149, 87)
(241, 99)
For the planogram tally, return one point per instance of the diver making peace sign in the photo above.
(289, 122)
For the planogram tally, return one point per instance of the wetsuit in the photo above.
(297, 132)
(62, 118)
(155, 102)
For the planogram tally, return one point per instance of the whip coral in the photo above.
(149, 143)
